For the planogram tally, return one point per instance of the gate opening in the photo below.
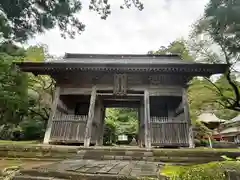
(121, 126)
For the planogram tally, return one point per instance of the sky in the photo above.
(127, 31)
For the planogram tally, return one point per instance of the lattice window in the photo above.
(120, 84)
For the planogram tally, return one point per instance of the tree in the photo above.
(176, 47)
(22, 19)
(124, 119)
(203, 97)
(25, 99)
(41, 87)
(220, 42)
(13, 86)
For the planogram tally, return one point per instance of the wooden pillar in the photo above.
(187, 118)
(141, 124)
(52, 114)
(147, 135)
(139, 128)
(103, 125)
(88, 131)
(101, 117)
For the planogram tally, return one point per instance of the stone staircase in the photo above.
(164, 156)
(119, 163)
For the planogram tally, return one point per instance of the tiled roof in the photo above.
(209, 117)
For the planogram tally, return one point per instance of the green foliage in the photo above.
(120, 121)
(176, 47)
(221, 20)
(44, 15)
(124, 119)
(209, 171)
(22, 19)
(13, 91)
(25, 99)
(203, 97)
(219, 29)
(32, 129)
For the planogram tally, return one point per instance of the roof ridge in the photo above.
(78, 55)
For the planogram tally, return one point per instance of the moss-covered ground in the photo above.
(209, 171)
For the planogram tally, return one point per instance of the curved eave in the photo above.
(197, 69)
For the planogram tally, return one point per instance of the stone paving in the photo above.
(110, 167)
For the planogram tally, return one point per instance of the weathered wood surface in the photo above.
(88, 131)
(168, 132)
(68, 128)
(141, 125)
(187, 117)
(53, 112)
(147, 135)
(99, 118)
(62, 107)
(120, 84)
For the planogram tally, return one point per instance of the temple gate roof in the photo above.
(170, 63)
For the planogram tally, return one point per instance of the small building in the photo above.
(210, 120)
(86, 84)
(230, 130)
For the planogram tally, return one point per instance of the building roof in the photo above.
(234, 120)
(209, 118)
(231, 130)
(124, 58)
(123, 62)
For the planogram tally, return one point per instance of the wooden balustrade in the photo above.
(166, 131)
(69, 128)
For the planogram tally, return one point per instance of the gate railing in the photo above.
(167, 131)
(68, 128)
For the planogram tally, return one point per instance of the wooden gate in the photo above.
(70, 129)
(169, 131)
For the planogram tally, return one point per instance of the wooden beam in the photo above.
(147, 136)
(52, 114)
(111, 94)
(88, 131)
(75, 91)
(187, 118)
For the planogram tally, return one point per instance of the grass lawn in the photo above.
(170, 170)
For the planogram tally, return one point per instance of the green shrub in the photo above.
(197, 142)
(204, 142)
(32, 129)
(210, 171)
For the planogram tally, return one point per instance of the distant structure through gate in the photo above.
(87, 84)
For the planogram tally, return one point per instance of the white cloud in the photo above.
(129, 30)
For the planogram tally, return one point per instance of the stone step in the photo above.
(26, 177)
(142, 156)
(36, 175)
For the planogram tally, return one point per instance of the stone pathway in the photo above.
(110, 167)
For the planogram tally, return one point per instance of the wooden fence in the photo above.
(70, 129)
(169, 131)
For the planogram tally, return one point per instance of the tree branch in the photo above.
(39, 114)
